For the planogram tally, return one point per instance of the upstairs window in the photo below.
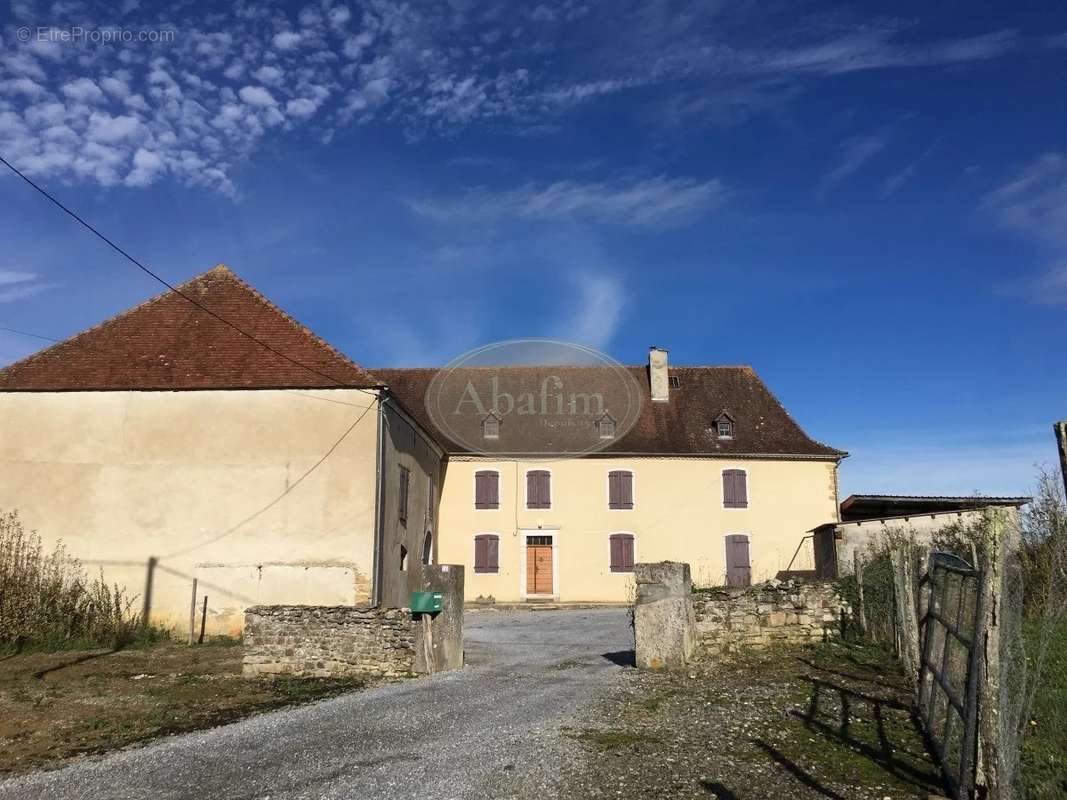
(487, 553)
(726, 429)
(402, 501)
(491, 427)
(622, 552)
(538, 489)
(486, 489)
(734, 488)
(620, 490)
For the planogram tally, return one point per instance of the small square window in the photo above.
(490, 427)
(607, 428)
(674, 381)
(726, 429)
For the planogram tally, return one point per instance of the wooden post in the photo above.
(1060, 429)
(146, 611)
(998, 540)
(857, 561)
(907, 623)
(192, 615)
(203, 621)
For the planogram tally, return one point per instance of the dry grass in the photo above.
(57, 705)
(48, 601)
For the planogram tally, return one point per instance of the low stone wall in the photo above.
(329, 641)
(775, 612)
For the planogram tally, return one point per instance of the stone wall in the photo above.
(329, 641)
(775, 612)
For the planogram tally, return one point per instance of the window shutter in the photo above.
(481, 553)
(620, 489)
(538, 489)
(486, 553)
(486, 489)
(622, 552)
(734, 488)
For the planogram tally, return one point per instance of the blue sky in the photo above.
(869, 207)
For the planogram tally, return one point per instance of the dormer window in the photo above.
(491, 427)
(606, 427)
(724, 425)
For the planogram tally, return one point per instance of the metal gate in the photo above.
(952, 630)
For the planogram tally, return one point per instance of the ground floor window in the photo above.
(487, 552)
(622, 552)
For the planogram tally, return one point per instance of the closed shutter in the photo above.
(538, 489)
(622, 552)
(486, 553)
(734, 488)
(486, 489)
(620, 490)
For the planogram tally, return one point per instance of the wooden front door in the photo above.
(538, 565)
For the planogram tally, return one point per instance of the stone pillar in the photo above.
(664, 623)
(445, 645)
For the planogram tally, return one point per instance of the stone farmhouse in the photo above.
(221, 440)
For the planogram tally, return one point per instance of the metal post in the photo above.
(203, 621)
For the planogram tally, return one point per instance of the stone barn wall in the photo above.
(329, 641)
(775, 612)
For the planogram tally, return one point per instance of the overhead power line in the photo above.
(31, 335)
(156, 277)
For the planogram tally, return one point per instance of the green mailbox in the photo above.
(425, 602)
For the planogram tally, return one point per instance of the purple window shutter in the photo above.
(486, 490)
(622, 552)
(734, 488)
(620, 489)
(538, 489)
(481, 549)
(492, 556)
(626, 489)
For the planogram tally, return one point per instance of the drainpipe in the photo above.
(379, 503)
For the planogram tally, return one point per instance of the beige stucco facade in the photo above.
(213, 484)
(678, 514)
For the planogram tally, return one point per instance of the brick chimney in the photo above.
(657, 375)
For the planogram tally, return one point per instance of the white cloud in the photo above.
(654, 202)
(600, 300)
(854, 154)
(83, 90)
(105, 128)
(147, 166)
(286, 40)
(257, 96)
(268, 74)
(1034, 204)
(301, 107)
(17, 284)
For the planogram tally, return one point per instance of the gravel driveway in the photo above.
(482, 732)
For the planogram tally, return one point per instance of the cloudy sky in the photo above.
(869, 208)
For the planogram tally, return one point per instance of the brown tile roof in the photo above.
(682, 426)
(168, 343)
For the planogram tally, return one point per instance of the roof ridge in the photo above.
(184, 289)
(223, 270)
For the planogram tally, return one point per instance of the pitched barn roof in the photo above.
(683, 426)
(168, 343)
